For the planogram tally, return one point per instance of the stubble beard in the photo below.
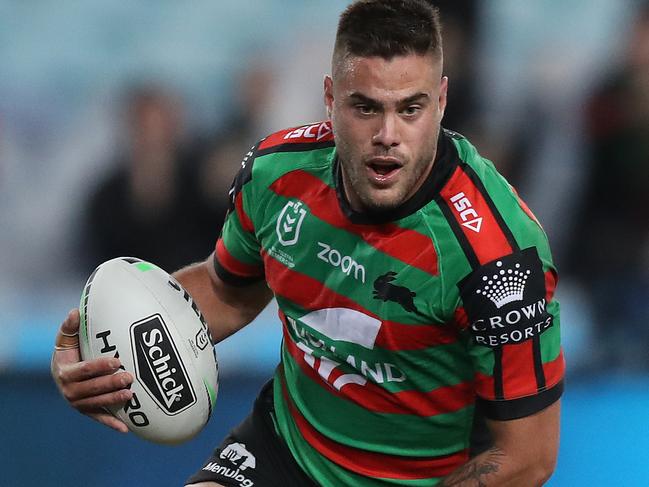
(358, 183)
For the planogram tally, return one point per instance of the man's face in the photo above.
(386, 117)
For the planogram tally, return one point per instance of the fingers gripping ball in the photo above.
(135, 311)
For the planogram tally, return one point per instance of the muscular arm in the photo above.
(524, 453)
(226, 308)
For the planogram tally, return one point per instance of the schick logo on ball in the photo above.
(158, 367)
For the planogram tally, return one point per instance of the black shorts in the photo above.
(253, 454)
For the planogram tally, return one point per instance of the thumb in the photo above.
(71, 324)
(66, 349)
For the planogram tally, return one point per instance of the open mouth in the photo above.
(382, 170)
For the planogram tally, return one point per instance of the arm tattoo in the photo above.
(472, 473)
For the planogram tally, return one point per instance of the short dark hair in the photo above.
(388, 28)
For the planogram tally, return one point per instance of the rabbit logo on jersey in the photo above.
(238, 455)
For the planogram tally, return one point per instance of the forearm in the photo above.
(226, 310)
(524, 453)
(496, 468)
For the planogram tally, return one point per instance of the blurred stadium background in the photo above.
(102, 102)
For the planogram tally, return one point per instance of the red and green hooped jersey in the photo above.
(396, 326)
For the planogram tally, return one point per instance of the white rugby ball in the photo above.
(134, 310)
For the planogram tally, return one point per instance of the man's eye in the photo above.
(365, 109)
(411, 110)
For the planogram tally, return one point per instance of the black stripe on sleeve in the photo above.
(459, 234)
(233, 279)
(243, 176)
(520, 408)
(538, 362)
(499, 391)
(296, 147)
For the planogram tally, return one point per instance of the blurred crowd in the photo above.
(577, 150)
(609, 249)
(166, 197)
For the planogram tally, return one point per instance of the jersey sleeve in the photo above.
(513, 322)
(502, 290)
(237, 258)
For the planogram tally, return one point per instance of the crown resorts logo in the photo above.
(506, 300)
(506, 286)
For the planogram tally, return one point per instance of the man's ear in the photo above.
(443, 95)
(328, 95)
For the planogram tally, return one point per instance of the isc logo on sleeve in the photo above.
(468, 215)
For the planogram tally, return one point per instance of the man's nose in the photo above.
(388, 132)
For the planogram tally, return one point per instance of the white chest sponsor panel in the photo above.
(343, 325)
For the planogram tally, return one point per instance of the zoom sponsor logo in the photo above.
(343, 262)
(158, 366)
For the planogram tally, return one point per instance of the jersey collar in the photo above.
(439, 175)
